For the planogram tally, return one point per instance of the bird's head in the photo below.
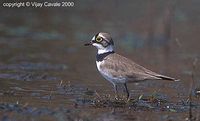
(103, 42)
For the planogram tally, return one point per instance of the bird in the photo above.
(118, 69)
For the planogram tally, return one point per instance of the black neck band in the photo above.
(100, 57)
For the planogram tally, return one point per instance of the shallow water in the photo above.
(47, 74)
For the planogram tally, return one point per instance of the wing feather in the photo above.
(119, 66)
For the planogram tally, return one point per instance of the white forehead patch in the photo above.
(93, 38)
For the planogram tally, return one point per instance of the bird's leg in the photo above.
(116, 91)
(127, 92)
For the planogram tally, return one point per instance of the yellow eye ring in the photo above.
(99, 39)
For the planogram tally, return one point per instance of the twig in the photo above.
(61, 83)
(190, 118)
(191, 87)
(50, 95)
(98, 94)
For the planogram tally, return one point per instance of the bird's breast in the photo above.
(99, 63)
(107, 75)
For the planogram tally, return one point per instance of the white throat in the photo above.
(105, 50)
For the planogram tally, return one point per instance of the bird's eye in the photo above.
(99, 39)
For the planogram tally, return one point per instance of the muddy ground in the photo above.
(46, 74)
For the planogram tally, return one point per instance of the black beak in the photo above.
(89, 43)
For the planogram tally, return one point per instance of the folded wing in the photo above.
(119, 66)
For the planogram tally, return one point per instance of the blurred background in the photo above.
(41, 49)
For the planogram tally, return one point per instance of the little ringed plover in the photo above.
(118, 69)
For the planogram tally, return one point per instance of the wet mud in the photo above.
(46, 74)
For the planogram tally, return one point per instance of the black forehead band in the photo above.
(96, 35)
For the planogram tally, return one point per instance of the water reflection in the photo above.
(45, 70)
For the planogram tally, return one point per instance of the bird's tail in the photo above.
(167, 78)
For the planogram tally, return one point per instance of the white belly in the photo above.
(108, 76)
